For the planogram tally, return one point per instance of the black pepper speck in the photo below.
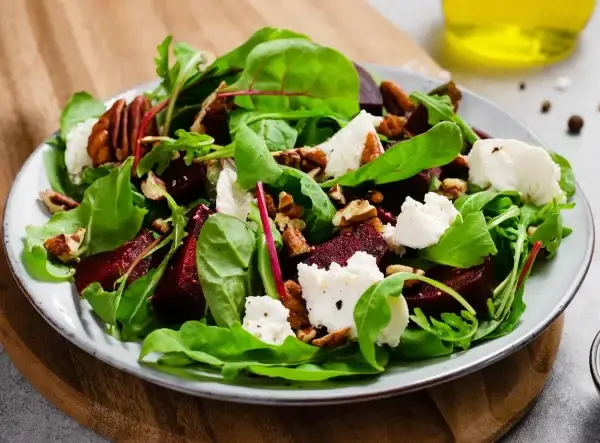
(338, 304)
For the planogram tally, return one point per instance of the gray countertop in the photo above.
(569, 408)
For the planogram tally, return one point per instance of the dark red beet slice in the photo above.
(106, 267)
(415, 187)
(417, 122)
(339, 249)
(178, 296)
(475, 285)
(457, 168)
(185, 183)
(369, 96)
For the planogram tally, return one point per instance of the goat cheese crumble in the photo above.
(267, 319)
(344, 149)
(420, 225)
(231, 198)
(332, 294)
(389, 234)
(512, 165)
(76, 155)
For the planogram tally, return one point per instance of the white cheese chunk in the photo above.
(231, 198)
(331, 296)
(267, 319)
(345, 147)
(76, 155)
(420, 225)
(511, 165)
(389, 233)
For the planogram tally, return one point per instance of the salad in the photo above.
(278, 212)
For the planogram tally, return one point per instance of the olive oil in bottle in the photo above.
(513, 33)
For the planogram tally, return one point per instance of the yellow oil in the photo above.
(513, 33)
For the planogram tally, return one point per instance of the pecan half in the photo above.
(114, 136)
(357, 211)
(287, 206)
(65, 246)
(271, 209)
(395, 100)
(452, 188)
(294, 302)
(372, 149)
(333, 339)
(56, 202)
(309, 160)
(336, 193)
(295, 242)
(391, 126)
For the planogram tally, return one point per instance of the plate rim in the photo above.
(170, 382)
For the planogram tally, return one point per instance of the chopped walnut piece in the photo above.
(307, 334)
(333, 339)
(65, 246)
(391, 126)
(395, 269)
(312, 157)
(56, 202)
(336, 194)
(395, 100)
(357, 211)
(295, 242)
(372, 149)
(376, 223)
(375, 197)
(271, 209)
(309, 160)
(287, 206)
(281, 221)
(452, 188)
(161, 225)
(153, 187)
(297, 223)
(294, 302)
(531, 230)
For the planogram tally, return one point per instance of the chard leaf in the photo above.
(372, 312)
(277, 77)
(224, 255)
(106, 212)
(191, 143)
(253, 160)
(263, 260)
(277, 134)
(567, 177)
(81, 106)
(465, 244)
(438, 146)
(439, 109)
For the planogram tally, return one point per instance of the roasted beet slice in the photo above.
(178, 296)
(106, 267)
(339, 249)
(185, 183)
(475, 285)
(415, 187)
(369, 96)
(457, 168)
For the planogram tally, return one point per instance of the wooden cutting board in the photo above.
(50, 48)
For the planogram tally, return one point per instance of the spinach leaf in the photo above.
(56, 171)
(224, 254)
(419, 344)
(439, 109)
(372, 312)
(277, 76)
(81, 106)
(465, 244)
(191, 143)
(253, 160)
(106, 212)
(567, 177)
(438, 146)
(277, 134)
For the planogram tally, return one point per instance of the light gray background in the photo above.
(569, 409)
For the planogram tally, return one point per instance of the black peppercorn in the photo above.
(575, 124)
(546, 105)
(522, 86)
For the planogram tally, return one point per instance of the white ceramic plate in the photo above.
(548, 293)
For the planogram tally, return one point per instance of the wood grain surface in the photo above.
(51, 48)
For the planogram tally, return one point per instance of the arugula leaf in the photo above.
(106, 212)
(439, 109)
(158, 159)
(452, 328)
(372, 312)
(419, 344)
(436, 147)
(253, 160)
(224, 254)
(465, 244)
(567, 177)
(82, 106)
(277, 76)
